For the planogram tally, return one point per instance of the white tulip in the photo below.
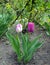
(19, 28)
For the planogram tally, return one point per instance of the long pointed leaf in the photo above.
(25, 44)
(15, 43)
(34, 41)
(32, 51)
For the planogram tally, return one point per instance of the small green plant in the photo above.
(23, 47)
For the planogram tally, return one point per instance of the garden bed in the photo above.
(41, 57)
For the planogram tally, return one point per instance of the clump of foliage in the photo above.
(23, 47)
(7, 15)
(34, 10)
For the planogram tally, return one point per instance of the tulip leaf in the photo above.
(15, 42)
(26, 48)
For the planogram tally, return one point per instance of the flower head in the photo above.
(31, 26)
(18, 28)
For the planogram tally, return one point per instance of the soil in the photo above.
(41, 57)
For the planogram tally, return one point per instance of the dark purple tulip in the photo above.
(31, 27)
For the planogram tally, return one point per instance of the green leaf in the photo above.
(25, 44)
(34, 41)
(48, 5)
(32, 51)
(15, 44)
(34, 45)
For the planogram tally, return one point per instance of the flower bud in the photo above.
(18, 28)
(31, 27)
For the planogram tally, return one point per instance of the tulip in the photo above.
(19, 28)
(31, 27)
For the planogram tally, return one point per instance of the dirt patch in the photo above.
(41, 57)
